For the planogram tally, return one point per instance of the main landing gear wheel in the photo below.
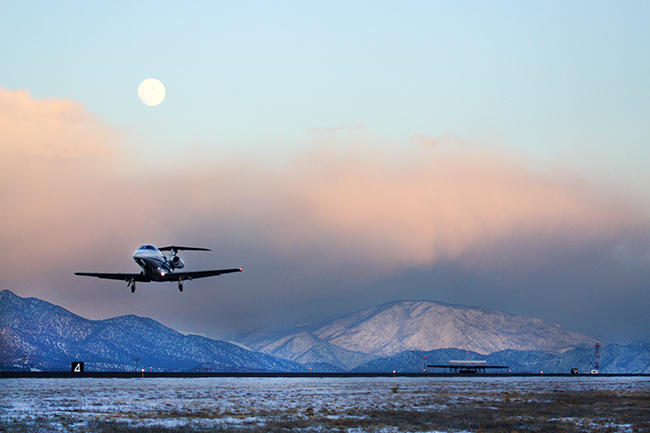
(180, 286)
(132, 287)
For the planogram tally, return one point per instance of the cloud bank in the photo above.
(73, 198)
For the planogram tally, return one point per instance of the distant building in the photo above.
(468, 367)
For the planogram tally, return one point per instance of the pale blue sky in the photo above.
(549, 79)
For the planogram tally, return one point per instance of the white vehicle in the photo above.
(156, 267)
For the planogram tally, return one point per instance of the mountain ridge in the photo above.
(633, 358)
(388, 329)
(45, 336)
(37, 335)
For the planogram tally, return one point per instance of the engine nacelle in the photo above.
(176, 262)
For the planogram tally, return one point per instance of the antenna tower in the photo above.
(596, 368)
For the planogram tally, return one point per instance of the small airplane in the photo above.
(156, 267)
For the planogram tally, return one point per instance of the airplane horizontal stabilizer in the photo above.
(175, 248)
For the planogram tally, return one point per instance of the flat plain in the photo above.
(381, 404)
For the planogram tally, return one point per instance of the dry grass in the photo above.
(553, 411)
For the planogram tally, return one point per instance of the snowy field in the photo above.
(468, 404)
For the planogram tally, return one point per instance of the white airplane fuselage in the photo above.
(154, 264)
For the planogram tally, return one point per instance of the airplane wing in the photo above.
(175, 276)
(124, 277)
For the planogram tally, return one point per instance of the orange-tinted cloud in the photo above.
(348, 205)
(46, 128)
(59, 171)
(402, 205)
(351, 196)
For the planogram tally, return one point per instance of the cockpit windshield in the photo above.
(147, 247)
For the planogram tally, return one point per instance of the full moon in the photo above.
(151, 92)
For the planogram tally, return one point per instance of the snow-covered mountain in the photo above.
(389, 337)
(391, 328)
(40, 335)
